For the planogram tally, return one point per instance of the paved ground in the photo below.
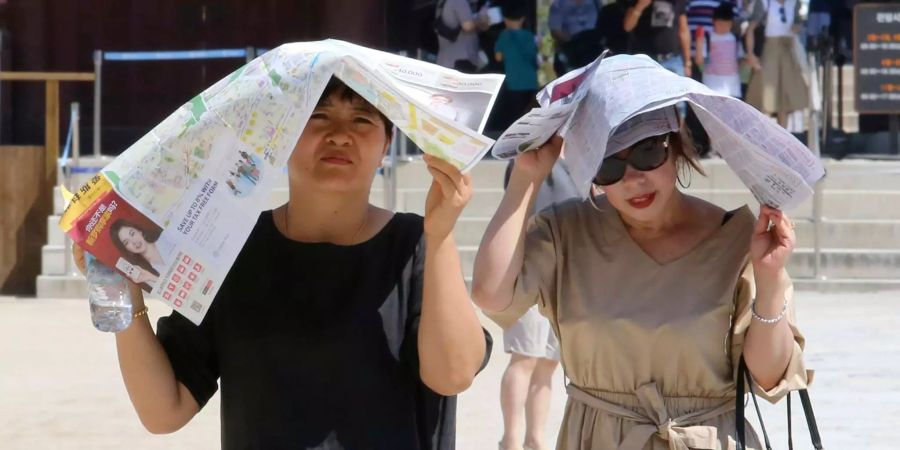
(60, 386)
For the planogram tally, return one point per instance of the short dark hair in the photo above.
(725, 11)
(513, 10)
(336, 86)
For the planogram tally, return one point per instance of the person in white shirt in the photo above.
(777, 86)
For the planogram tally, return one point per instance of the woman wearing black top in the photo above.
(334, 329)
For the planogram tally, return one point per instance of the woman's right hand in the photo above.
(142, 276)
(162, 403)
(78, 256)
(502, 251)
(537, 164)
(81, 263)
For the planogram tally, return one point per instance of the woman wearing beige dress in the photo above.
(654, 296)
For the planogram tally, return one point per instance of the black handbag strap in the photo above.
(810, 419)
(762, 425)
(743, 377)
(739, 408)
(790, 422)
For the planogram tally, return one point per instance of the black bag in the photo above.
(744, 374)
(441, 28)
(581, 49)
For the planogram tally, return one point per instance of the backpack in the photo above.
(441, 28)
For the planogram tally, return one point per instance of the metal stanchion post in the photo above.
(827, 99)
(389, 175)
(813, 120)
(404, 149)
(69, 267)
(74, 124)
(818, 193)
(840, 96)
(98, 66)
(76, 134)
(817, 231)
(815, 146)
(386, 169)
(395, 165)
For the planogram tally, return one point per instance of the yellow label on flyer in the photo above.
(94, 189)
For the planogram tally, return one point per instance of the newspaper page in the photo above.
(173, 211)
(777, 168)
(558, 100)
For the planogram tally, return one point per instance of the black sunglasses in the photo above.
(646, 155)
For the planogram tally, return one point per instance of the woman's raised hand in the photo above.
(538, 163)
(771, 246)
(143, 276)
(78, 256)
(449, 194)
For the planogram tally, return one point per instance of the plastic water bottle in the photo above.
(111, 308)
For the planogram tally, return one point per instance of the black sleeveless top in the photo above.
(315, 345)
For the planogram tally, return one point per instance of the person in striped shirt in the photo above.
(721, 72)
(700, 17)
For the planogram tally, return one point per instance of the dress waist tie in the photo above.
(681, 432)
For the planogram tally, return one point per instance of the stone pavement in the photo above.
(60, 386)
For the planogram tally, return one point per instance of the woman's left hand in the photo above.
(450, 192)
(754, 63)
(771, 247)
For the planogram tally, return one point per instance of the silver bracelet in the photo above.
(763, 319)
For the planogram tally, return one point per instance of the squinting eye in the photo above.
(364, 120)
(318, 116)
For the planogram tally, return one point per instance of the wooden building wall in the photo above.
(60, 35)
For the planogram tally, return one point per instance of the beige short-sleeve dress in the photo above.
(650, 349)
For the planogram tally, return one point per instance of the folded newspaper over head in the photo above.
(177, 206)
(643, 126)
(611, 103)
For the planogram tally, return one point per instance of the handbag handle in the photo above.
(810, 419)
(744, 375)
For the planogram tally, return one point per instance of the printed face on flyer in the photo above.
(121, 237)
